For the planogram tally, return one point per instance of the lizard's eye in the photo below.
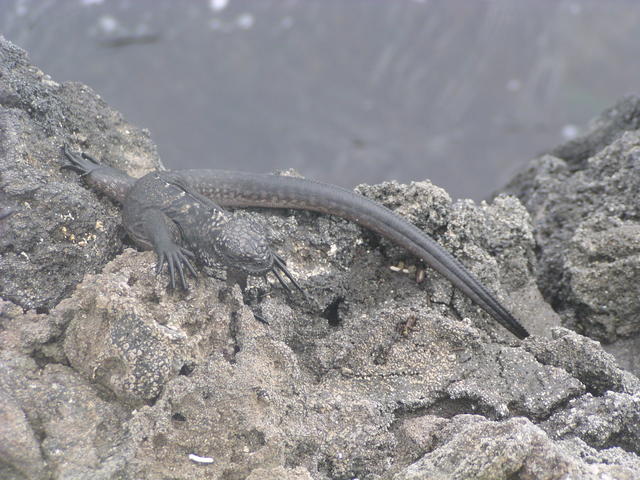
(243, 245)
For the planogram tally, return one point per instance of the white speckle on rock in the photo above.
(198, 459)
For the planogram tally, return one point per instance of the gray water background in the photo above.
(462, 92)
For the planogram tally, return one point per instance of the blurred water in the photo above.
(461, 92)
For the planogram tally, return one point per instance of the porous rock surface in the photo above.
(583, 201)
(58, 230)
(105, 374)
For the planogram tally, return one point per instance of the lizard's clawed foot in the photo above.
(279, 265)
(175, 257)
(83, 164)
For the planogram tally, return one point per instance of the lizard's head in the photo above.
(243, 245)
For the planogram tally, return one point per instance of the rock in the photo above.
(104, 373)
(583, 203)
(585, 360)
(133, 348)
(603, 130)
(58, 229)
(59, 425)
(20, 455)
(280, 473)
(512, 449)
(611, 420)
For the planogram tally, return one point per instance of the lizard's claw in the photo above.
(83, 164)
(176, 257)
(279, 265)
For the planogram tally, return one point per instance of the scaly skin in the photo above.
(162, 213)
(238, 189)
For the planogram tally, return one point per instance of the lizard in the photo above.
(181, 215)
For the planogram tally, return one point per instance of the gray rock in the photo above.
(612, 420)
(20, 455)
(602, 131)
(58, 229)
(584, 359)
(106, 374)
(57, 424)
(512, 449)
(134, 348)
(585, 212)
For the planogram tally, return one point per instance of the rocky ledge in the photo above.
(104, 374)
(583, 202)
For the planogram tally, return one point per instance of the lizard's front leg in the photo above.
(151, 229)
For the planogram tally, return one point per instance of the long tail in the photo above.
(238, 189)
